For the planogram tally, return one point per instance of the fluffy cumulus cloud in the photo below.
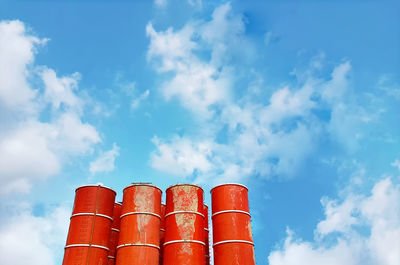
(360, 229)
(31, 147)
(196, 84)
(245, 135)
(37, 239)
(185, 154)
(105, 162)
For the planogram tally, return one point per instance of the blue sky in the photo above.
(299, 101)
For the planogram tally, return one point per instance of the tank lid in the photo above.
(119, 203)
(229, 184)
(185, 184)
(96, 185)
(142, 184)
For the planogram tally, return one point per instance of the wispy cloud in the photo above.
(341, 238)
(137, 101)
(105, 162)
(396, 164)
(160, 3)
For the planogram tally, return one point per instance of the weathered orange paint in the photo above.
(114, 234)
(232, 236)
(139, 236)
(90, 226)
(184, 219)
(162, 233)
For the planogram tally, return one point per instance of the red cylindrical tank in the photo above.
(162, 233)
(90, 226)
(184, 219)
(232, 236)
(206, 234)
(139, 236)
(114, 234)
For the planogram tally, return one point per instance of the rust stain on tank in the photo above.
(143, 199)
(185, 198)
(142, 222)
(186, 249)
(249, 229)
(185, 222)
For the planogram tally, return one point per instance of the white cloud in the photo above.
(181, 156)
(339, 216)
(197, 3)
(173, 49)
(197, 84)
(366, 230)
(224, 35)
(32, 148)
(396, 164)
(60, 91)
(16, 54)
(336, 88)
(259, 132)
(164, 3)
(106, 161)
(127, 89)
(387, 84)
(37, 239)
(270, 38)
(137, 101)
(160, 3)
(25, 155)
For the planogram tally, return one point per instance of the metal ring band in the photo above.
(229, 184)
(115, 229)
(230, 211)
(94, 214)
(87, 245)
(94, 185)
(184, 241)
(233, 241)
(142, 185)
(138, 245)
(161, 229)
(207, 229)
(149, 213)
(177, 212)
(111, 257)
(184, 184)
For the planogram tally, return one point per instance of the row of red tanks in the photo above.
(143, 231)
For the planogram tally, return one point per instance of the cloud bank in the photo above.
(33, 147)
(360, 229)
(242, 131)
(37, 239)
